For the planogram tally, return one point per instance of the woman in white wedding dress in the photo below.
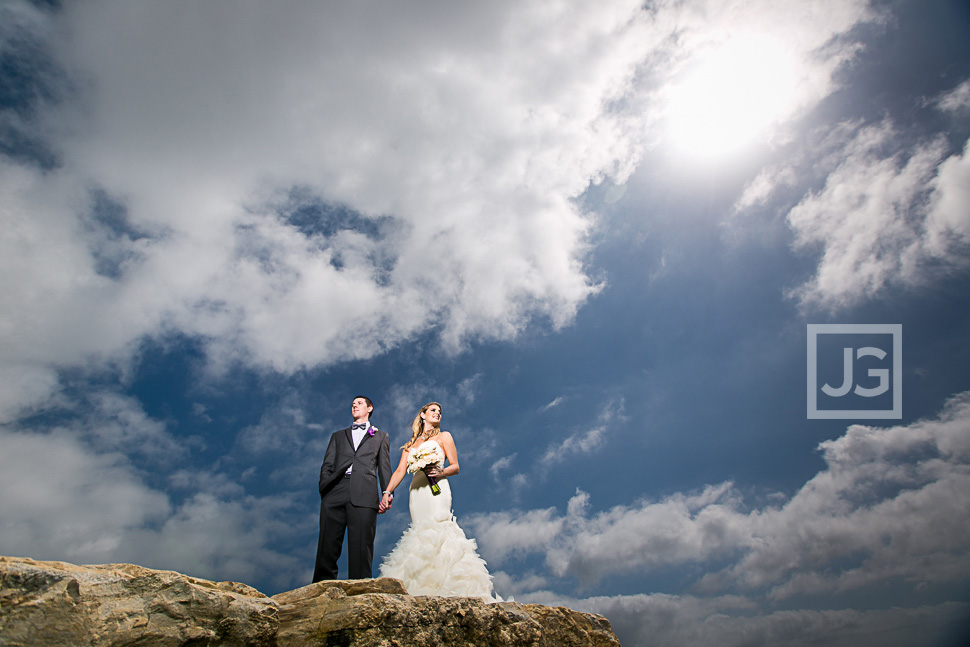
(433, 556)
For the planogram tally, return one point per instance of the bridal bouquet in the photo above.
(423, 459)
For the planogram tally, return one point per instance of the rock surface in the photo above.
(55, 603)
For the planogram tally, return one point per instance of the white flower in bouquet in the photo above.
(423, 458)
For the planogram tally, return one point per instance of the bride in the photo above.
(433, 556)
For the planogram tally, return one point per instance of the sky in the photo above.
(596, 233)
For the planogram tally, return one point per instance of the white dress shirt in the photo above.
(358, 437)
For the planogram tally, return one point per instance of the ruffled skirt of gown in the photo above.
(433, 556)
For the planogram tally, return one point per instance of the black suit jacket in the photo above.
(371, 460)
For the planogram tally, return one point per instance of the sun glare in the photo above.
(731, 97)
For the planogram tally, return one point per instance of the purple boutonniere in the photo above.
(371, 430)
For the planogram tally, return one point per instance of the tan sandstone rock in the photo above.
(373, 614)
(54, 604)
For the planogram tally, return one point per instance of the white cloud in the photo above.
(956, 99)
(681, 528)
(110, 421)
(445, 134)
(555, 403)
(948, 221)
(585, 441)
(890, 505)
(51, 296)
(506, 533)
(739, 71)
(473, 141)
(79, 492)
(466, 130)
(507, 584)
(24, 384)
(733, 621)
(760, 189)
(63, 501)
(458, 134)
(500, 468)
(469, 387)
(885, 217)
(234, 537)
(888, 214)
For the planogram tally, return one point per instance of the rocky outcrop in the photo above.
(372, 614)
(55, 603)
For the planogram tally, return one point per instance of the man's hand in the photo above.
(386, 502)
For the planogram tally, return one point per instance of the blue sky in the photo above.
(595, 232)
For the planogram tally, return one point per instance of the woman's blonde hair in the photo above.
(417, 426)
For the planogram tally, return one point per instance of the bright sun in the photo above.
(731, 97)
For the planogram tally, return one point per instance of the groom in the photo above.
(349, 494)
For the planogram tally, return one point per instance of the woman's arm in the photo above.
(451, 454)
(396, 479)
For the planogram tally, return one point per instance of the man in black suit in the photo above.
(350, 497)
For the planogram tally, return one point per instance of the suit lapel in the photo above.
(350, 439)
(362, 441)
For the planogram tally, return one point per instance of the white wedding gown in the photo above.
(433, 556)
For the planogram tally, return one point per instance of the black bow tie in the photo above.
(363, 426)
